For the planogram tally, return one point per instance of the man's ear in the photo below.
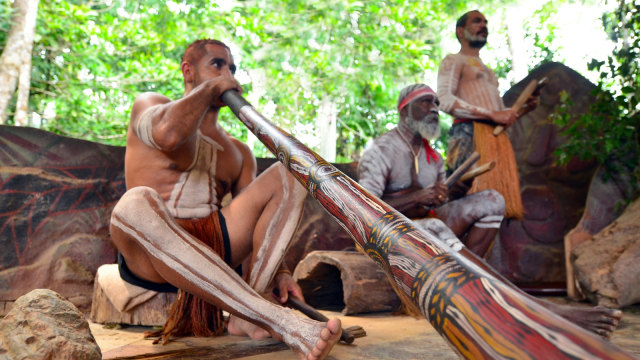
(460, 33)
(404, 111)
(187, 71)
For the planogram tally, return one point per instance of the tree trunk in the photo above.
(326, 125)
(15, 61)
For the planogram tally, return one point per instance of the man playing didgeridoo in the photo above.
(468, 90)
(403, 169)
(172, 232)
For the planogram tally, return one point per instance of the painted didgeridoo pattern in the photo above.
(481, 317)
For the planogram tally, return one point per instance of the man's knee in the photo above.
(434, 226)
(134, 202)
(290, 184)
(440, 230)
(495, 202)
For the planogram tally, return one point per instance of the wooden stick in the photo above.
(521, 100)
(348, 335)
(475, 156)
(476, 312)
(478, 171)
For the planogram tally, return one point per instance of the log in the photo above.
(345, 281)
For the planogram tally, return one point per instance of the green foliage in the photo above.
(91, 59)
(542, 31)
(5, 21)
(608, 132)
(354, 54)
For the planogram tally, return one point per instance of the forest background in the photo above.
(327, 71)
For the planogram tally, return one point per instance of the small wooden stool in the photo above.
(118, 302)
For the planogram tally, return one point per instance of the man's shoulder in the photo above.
(384, 143)
(454, 57)
(388, 138)
(150, 98)
(244, 148)
(146, 100)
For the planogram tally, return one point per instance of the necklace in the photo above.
(415, 156)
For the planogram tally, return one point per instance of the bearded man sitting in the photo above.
(404, 170)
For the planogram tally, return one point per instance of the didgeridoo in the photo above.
(480, 316)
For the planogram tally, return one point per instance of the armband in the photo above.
(283, 271)
(144, 129)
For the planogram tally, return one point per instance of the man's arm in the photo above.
(249, 167)
(374, 170)
(449, 76)
(431, 196)
(165, 124)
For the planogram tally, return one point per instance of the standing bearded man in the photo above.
(171, 231)
(468, 90)
(402, 168)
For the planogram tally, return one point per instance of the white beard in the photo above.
(429, 128)
(475, 41)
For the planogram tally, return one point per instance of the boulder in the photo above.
(607, 266)
(42, 325)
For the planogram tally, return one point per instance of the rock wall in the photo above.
(56, 195)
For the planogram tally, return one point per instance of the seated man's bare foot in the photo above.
(241, 327)
(329, 336)
(599, 319)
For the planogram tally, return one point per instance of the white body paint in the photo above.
(194, 194)
(473, 98)
(143, 127)
(142, 214)
(279, 233)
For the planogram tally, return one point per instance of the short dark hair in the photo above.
(196, 49)
(462, 21)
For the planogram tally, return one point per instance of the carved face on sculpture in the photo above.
(475, 30)
(206, 61)
(423, 117)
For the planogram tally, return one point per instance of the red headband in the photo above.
(416, 94)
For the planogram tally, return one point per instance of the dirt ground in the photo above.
(389, 336)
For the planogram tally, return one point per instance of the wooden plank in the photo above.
(178, 350)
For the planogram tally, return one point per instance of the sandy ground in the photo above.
(389, 336)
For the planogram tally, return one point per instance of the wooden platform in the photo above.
(388, 337)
